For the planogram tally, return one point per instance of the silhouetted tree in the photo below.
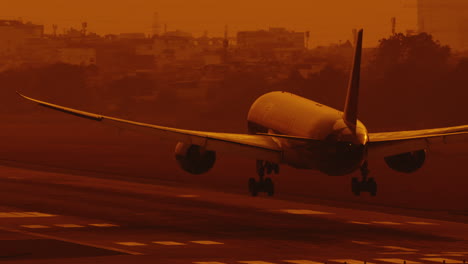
(411, 52)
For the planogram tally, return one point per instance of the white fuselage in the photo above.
(339, 149)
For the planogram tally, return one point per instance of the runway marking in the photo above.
(169, 243)
(69, 241)
(131, 244)
(208, 262)
(422, 223)
(350, 261)
(399, 248)
(385, 223)
(23, 214)
(207, 242)
(397, 261)
(256, 262)
(303, 262)
(441, 260)
(304, 212)
(397, 253)
(103, 225)
(359, 223)
(188, 195)
(69, 225)
(35, 226)
(361, 242)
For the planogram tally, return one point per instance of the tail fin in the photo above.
(350, 112)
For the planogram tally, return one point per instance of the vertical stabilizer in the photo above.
(350, 112)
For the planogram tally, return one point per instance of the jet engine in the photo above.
(407, 162)
(194, 159)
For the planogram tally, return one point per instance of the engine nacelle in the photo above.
(407, 162)
(194, 159)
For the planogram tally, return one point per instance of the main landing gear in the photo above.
(263, 184)
(366, 184)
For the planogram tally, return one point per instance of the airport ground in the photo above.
(76, 192)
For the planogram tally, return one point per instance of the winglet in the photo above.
(350, 112)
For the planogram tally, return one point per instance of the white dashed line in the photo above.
(69, 225)
(385, 223)
(304, 212)
(397, 253)
(188, 195)
(131, 244)
(23, 214)
(443, 260)
(206, 242)
(350, 261)
(359, 223)
(35, 226)
(397, 261)
(399, 248)
(256, 262)
(169, 243)
(302, 262)
(421, 223)
(103, 225)
(69, 240)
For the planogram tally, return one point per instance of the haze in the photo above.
(328, 21)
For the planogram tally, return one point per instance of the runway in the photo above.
(51, 217)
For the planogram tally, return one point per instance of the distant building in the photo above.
(446, 20)
(274, 38)
(132, 36)
(169, 48)
(78, 56)
(15, 34)
(276, 44)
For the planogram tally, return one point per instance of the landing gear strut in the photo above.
(365, 185)
(263, 184)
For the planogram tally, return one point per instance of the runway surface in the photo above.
(51, 217)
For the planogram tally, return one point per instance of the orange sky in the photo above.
(328, 20)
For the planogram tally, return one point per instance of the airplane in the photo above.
(286, 129)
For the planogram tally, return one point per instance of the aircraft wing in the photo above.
(394, 143)
(261, 147)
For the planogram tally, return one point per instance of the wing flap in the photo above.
(254, 146)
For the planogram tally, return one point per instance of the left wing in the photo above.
(260, 146)
(255, 146)
(394, 143)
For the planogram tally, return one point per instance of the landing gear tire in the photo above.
(263, 185)
(365, 185)
(276, 168)
(355, 186)
(253, 187)
(269, 187)
(372, 187)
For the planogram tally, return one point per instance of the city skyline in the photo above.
(211, 16)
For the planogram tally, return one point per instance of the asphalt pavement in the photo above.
(53, 217)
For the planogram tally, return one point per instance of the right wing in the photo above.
(394, 143)
(261, 147)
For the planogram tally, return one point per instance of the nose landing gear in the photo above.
(366, 184)
(263, 184)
